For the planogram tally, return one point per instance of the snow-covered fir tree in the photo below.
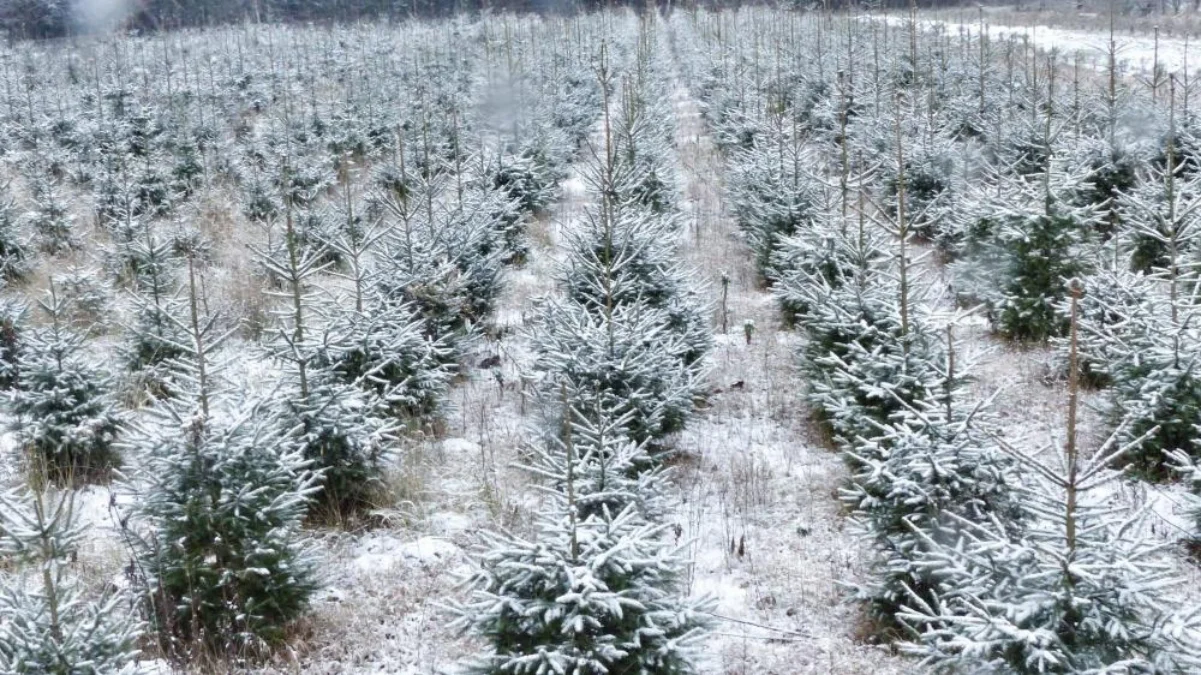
(1112, 172)
(63, 410)
(919, 477)
(150, 264)
(226, 568)
(350, 252)
(346, 434)
(772, 200)
(1117, 299)
(341, 430)
(1151, 352)
(143, 260)
(868, 354)
(15, 250)
(640, 135)
(608, 472)
(1026, 250)
(832, 253)
(623, 361)
(219, 502)
(595, 594)
(528, 183)
(1160, 214)
(386, 350)
(50, 220)
(864, 366)
(630, 337)
(1082, 589)
(12, 327)
(928, 180)
(628, 260)
(446, 265)
(49, 624)
(472, 236)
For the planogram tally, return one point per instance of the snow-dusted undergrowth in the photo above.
(753, 341)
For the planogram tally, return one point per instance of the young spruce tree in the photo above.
(63, 412)
(221, 497)
(47, 624)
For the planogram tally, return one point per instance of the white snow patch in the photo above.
(383, 554)
(460, 446)
(92, 505)
(574, 187)
(155, 667)
(1138, 53)
(448, 523)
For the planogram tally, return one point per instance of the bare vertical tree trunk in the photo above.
(569, 444)
(950, 384)
(1173, 226)
(983, 38)
(197, 339)
(902, 230)
(1071, 447)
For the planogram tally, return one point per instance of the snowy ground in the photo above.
(1137, 54)
(756, 478)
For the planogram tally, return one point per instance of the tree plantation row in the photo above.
(893, 179)
(380, 181)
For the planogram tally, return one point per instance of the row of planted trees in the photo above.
(377, 285)
(601, 586)
(891, 180)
